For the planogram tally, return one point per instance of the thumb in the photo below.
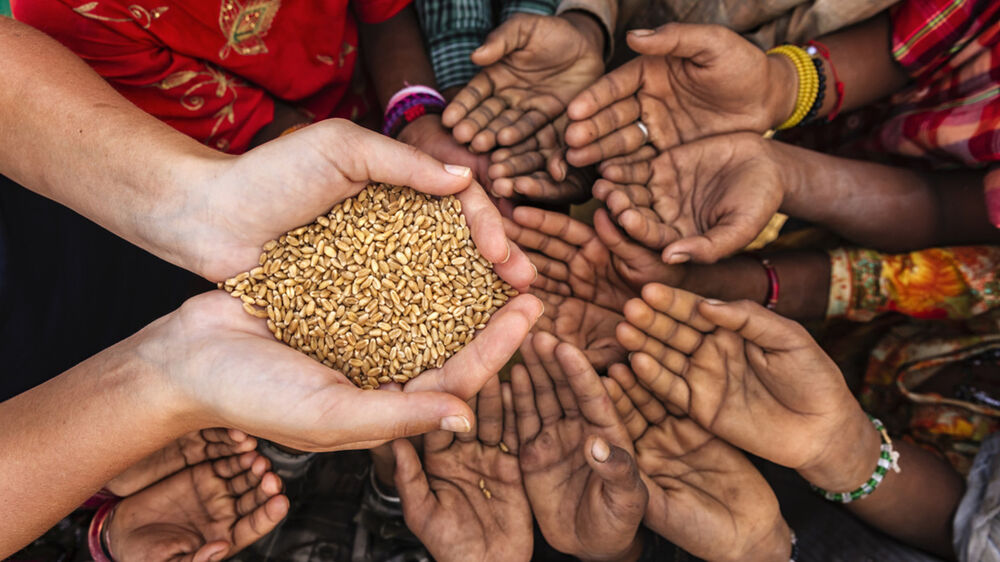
(377, 158)
(700, 43)
(509, 37)
(729, 235)
(411, 483)
(623, 489)
(378, 415)
(211, 552)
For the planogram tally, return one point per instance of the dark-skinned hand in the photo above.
(576, 455)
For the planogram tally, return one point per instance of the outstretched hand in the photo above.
(576, 455)
(466, 500)
(692, 81)
(700, 201)
(207, 512)
(704, 495)
(533, 66)
(742, 372)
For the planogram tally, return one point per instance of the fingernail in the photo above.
(458, 424)
(678, 258)
(507, 257)
(535, 278)
(713, 302)
(460, 171)
(600, 450)
(641, 32)
(541, 312)
(629, 356)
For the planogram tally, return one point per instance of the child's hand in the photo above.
(742, 372)
(584, 325)
(467, 502)
(576, 455)
(704, 495)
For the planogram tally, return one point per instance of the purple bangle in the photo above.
(408, 109)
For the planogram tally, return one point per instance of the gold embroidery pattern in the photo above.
(140, 15)
(245, 25)
(224, 83)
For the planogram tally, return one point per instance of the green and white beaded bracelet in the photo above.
(888, 458)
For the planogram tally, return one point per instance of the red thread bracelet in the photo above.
(838, 86)
(773, 283)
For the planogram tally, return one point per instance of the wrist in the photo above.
(783, 81)
(631, 553)
(776, 545)
(850, 456)
(588, 26)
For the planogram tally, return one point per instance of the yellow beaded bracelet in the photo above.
(808, 82)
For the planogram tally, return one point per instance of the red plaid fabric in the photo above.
(950, 115)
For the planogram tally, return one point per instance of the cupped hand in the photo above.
(206, 512)
(466, 500)
(533, 66)
(584, 325)
(535, 169)
(226, 369)
(597, 265)
(288, 182)
(576, 455)
(700, 201)
(189, 450)
(704, 495)
(742, 372)
(692, 81)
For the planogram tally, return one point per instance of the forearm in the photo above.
(915, 505)
(395, 56)
(883, 207)
(64, 439)
(803, 276)
(67, 135)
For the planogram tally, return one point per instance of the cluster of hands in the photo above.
(592, 459)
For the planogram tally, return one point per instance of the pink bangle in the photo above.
(410, 90)
(99, 550)
(773, 283)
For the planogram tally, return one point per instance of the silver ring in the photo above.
(645, 131)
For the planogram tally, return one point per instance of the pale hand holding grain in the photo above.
(386, 285)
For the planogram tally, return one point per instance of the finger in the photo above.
(467, 99)
(463, 436)
(211, 551)
(411, 483)
(230, 466)
(729, 235)
(543, 388)
(623, 141)
(621, 83)
(241, 483)
(259, 522)
(529, 123)
(645, 153)
(465, 373)
(635, 424)
(678, 304)
(215, 450)
(489, 411)
(528, 421)
(436, 441)
(647, 405)
(666, 385)
(410, 166)
(618, 244)
(269, 486)
(551, 273)
(756, 324)
(647, 228)
(700, 43)
(602, 357)
(606, 121)
(512, 35)
(624, 197)
(478, 118)
(557, 225)
(634, 340)
(517, 165)
(485, 224)
(623, 491)
(486, 139)
(651, 324)
(223, 436)
(586, 386)
(636, 172)
(530, 144)
(509, 439)
(545, 346)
